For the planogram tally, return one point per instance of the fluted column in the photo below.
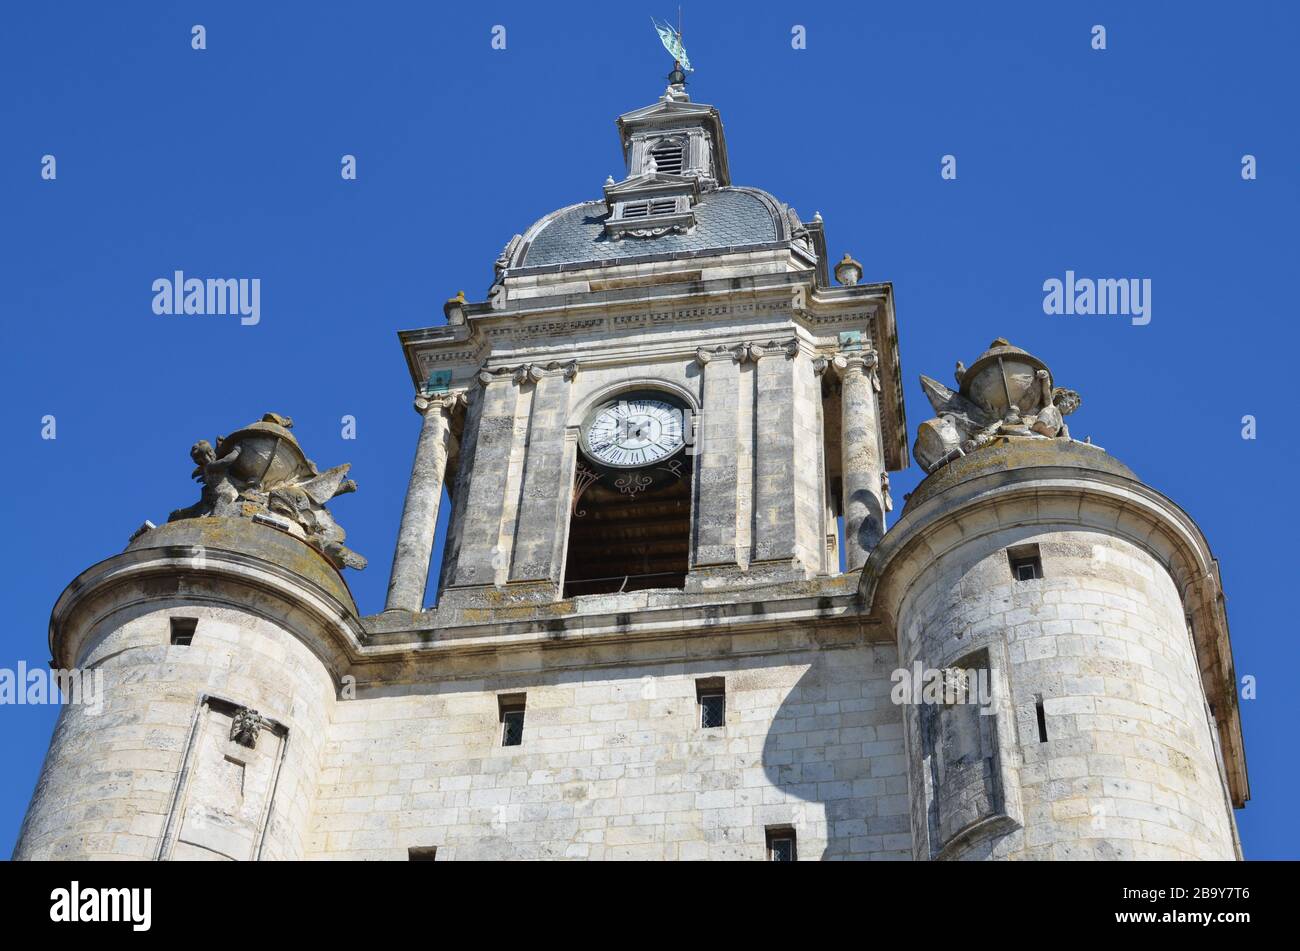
(423, 496)
(864, 509)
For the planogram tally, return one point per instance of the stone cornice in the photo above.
(543, 326)
(419, 645)
(331, 629)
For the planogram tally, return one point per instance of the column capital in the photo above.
(864, 360)
(846, 363)
(787, 348)
(529, 372)
(440, 402)
(736, 353)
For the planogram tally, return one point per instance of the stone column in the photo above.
(479, 556)
(774, 451)
(423, 496)
(864, 510)
(545, 493)
(716, 458)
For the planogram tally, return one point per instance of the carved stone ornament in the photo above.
(529, 372)
(507, 255)
(676, 228)
(245, 726)
(440, 402)
(736, 353)
(1006, 394)
(848, 272)
(753, 352)
(260, 473)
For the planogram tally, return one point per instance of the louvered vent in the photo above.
(644, 209)
(669, 157)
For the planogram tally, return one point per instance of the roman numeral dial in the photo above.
(634, 431)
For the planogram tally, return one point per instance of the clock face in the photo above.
(634, 431)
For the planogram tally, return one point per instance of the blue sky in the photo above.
(225, 163)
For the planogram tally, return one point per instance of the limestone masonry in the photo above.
(661, 434)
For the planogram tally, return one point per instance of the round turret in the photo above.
(215, 644)
(1069, 620)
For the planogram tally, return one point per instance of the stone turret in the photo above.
(221, 636)
(1081, 614)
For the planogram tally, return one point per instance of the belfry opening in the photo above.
(630, 520)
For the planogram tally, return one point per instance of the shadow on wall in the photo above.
(836, 743)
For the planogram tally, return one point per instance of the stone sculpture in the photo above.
(260, 472)
(245, 725)
(1005, 394)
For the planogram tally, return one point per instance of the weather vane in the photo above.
(672, 41)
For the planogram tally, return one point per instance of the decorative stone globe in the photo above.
(1004, 375)
(269, 454)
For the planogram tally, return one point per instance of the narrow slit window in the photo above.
(511, 710)
(711, 695)
(422, 853)
(182, 634)
(1026, 564)
(1042, 719)
(781, 844)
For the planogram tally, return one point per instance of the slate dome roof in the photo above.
(730, 218)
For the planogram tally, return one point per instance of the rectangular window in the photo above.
(183, 630)
(711, 694)
(422, 853)
(781, 844)
(1026, 565)
(511, 710)
(663, 206)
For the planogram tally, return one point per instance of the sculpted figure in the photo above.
(219, 492)
(261, 470)
(1006, 394)
(1058, 403)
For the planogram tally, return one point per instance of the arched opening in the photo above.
(630, 521)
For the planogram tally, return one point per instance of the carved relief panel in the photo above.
(226, 788)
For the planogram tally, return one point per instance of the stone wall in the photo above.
(615, 765)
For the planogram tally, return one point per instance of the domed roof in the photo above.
(729, 218)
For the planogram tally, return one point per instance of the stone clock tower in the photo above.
(651, 396)
(672, 617)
